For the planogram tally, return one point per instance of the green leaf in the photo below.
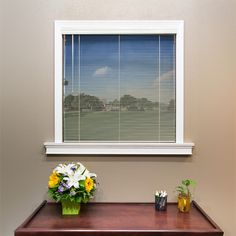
(82, 183)
(180, 188)
(189, 182)
(78, 199)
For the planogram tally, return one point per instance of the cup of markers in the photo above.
(161, 200)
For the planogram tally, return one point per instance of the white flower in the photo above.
(73, 180)
(72, 193)
(73, 173)
(92, 175)
(81, 169)
(65, 169)
(60, 168)
(84, 171)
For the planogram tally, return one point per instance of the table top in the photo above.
(117, 218)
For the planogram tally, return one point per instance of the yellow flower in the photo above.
(53, 180)
(89, 184)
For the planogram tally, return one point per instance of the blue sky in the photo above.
(107, 66)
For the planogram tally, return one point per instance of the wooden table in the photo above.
(118, 219)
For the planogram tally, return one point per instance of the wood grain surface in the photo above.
(118, 219)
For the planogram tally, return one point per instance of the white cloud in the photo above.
(166, 76)
(102, 71)
(165, 79)
(151, 91)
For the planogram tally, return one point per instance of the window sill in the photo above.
(53, 148)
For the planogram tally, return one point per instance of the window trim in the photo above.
(119, 27)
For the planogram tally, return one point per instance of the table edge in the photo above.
(22, 228)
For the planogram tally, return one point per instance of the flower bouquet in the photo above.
(71, 184)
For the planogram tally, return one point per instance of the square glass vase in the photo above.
(70, 208)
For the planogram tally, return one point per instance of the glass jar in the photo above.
(184, 203)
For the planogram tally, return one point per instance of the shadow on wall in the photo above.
(120, 158)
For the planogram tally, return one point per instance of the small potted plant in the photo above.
(71, 184)
(185, 195)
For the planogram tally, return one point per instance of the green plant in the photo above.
(184, 188)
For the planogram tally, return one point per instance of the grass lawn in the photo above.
(134, 126)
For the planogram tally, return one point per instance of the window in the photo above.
(119, 88)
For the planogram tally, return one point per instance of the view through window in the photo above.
(119, 88)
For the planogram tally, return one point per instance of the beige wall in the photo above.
(1, 60)
(210, 113)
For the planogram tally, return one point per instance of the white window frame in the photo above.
(117, 148)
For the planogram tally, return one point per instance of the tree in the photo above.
(145, 104)
(71, 103)
(115, 103)
(171, 105)
(90, 102)
(83, 101)
(66, 82)
(128, 101)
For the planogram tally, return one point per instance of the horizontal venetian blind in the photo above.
(119, 88)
